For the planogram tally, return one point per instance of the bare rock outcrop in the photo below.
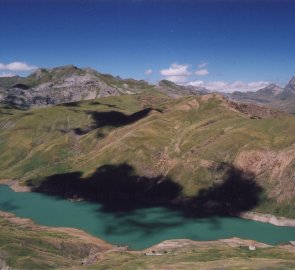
(272, 166)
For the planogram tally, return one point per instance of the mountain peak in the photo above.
(271, 86)
(290, 87)
(291, 82)
(271, 89)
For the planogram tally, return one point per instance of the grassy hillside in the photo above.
(210, 256)
(196, 142)
(24, 245)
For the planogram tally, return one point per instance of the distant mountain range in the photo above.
(272, 95)
(70, 84)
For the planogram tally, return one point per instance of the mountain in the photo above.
(174, 90)
(202, 156)
(196, 145)
(290, 87)
(70, 84)
(272, 95)
(63, 84)
(162, 130)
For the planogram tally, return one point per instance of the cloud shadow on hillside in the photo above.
(70, 104)
(103, 104)
(120, 191)
(111, 119)
(119, 188)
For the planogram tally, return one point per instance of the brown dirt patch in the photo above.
(272, 166)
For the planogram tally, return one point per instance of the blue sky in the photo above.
(243, 44)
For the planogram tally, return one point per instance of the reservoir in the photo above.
(139, 228)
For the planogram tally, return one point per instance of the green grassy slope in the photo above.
(23, 245)
(215, 256)
(186, 139)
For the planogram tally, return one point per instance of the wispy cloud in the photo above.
(202, 65)
(17, 66)
(230, 87)
(202, 72)
(148, 71)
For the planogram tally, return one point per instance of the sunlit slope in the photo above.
(192, 140)
(24, 245)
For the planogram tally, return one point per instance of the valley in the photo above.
(152, 162)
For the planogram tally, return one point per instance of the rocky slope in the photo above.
(62, 85)
(70, 84)
(272, 95)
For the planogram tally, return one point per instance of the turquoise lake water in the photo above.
(140, 228)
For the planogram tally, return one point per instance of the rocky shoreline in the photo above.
(268, 218)
(15, 185)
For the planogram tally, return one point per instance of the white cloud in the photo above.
(176, 73)
(196, 83)
(6, 74)
(202, 72)
(176, 79)
(148, 71)
(17, 66)
(229, 87)
(202, 65)
(176, 70)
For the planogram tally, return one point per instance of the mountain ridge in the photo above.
(282, 98)
(65, 84)
(70, 84)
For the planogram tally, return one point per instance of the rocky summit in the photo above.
(61, 85)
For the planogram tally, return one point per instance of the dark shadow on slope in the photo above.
(21, 86)
(111, 119)
(238, 192)
(103, 104)
(118, 188)
(130, 197)
(70, 104)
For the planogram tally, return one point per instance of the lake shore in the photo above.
(94, 252)
(266, 218)
(26, 222)
(164, 245)
(15, 185)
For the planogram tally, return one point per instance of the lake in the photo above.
(138, 229)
